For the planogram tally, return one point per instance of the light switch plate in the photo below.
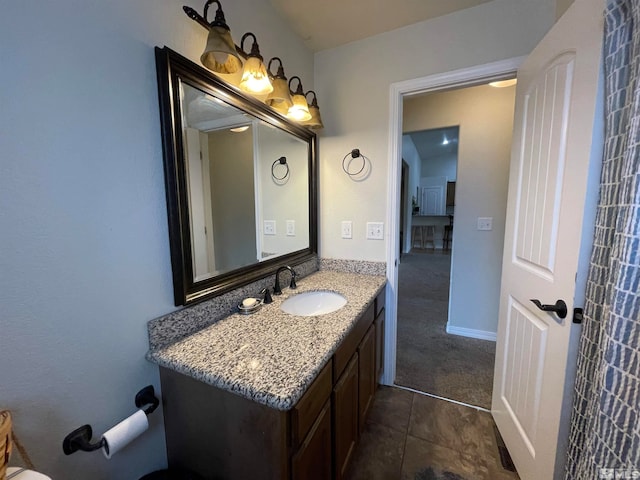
(291, 228)
(269, 227)
(375, 231)
(346, 229)
(485, 223)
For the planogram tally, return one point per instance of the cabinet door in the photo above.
(345, 417)
(313, 460)
(379, 324)
(366, 375)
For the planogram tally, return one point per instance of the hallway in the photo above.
(429, 359)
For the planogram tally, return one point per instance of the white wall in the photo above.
(485, 117)
(84, 251)
(353, 83)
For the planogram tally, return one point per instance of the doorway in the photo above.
(470, 261)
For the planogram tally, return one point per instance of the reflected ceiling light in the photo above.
(504, 83)
(315, 122)
(299, 111)
(280, 98)
(445, 141)
(220, 54)
(255, 79)
(243, 128)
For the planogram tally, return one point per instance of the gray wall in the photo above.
(233, 198)
(84, 252)
(445, 165)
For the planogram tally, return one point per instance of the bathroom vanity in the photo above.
(272, 395)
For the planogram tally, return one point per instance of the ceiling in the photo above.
(430, 143)
(325, 24)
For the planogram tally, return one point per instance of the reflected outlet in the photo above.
(269, 227)
(291, 228)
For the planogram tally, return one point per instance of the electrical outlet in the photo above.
(485, 223)
(375, 231)
(347, 229)
(269, 227)
(291, 228)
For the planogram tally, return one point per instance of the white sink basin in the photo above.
(309, 304)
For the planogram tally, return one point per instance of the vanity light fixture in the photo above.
(504, 83)
(299, 111)
(255, 79)
(315, 122)
(220, 54)
(280, 98)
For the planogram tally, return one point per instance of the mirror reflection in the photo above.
(247, 184)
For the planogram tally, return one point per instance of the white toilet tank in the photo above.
(15, 473)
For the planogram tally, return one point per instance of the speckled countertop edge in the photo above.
(272, 357)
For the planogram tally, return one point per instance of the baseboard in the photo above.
(472, 333)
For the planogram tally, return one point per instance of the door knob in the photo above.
(559, 308)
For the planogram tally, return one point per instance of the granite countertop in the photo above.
(270, 356)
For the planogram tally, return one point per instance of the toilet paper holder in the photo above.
(80, 438)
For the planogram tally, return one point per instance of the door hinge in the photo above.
(578, 315)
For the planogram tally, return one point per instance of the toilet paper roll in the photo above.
(124, 432)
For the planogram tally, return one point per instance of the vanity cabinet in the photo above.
(366, 375)
(313, 459)
(221, 435)
(345, 417)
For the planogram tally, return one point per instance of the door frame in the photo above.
(465, 77)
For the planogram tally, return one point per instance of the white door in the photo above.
(554, 122)
(432, 201)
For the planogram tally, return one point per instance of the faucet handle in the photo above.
(293, 285)
(267, 295)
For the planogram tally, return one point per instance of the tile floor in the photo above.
(410, 436)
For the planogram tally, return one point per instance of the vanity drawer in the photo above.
(352, 340)
(306, 411)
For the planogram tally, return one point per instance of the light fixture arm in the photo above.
(314, 102)
(255, 48)
(192, 14)
(219, 20)
(280, 73)
(299, 90)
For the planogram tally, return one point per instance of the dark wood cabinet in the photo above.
(313, 459)
(366, 375)
(222, 435)
(345, 417)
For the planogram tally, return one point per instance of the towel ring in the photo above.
(355, 153)
(280, 161)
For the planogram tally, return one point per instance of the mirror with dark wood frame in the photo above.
(240, 182)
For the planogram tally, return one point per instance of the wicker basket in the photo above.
(5, 442)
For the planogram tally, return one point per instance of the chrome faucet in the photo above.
(276, 288)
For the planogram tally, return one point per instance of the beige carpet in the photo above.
(429, 359)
